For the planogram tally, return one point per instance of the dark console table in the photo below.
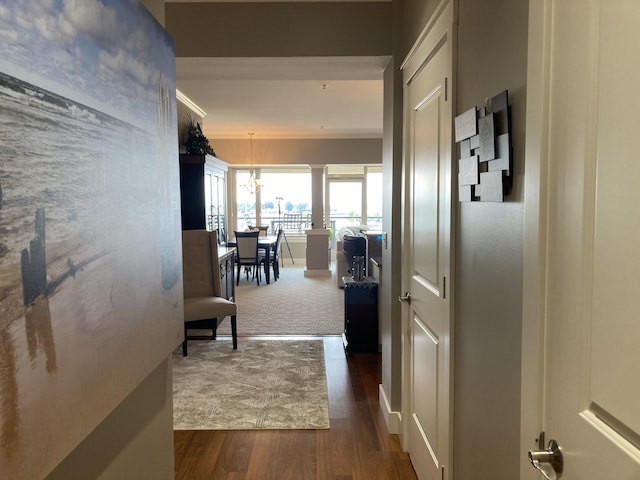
(360, 315)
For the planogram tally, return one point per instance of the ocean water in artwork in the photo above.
(49, 163)
(90, 253)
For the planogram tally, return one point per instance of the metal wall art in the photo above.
(485, 164)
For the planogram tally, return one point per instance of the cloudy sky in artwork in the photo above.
(109, 54)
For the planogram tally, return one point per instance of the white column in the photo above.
(317, 253)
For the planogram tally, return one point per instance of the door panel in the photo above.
(427, 250)
(425, 398)
(426, 191)
(615, 311)
(591, 329)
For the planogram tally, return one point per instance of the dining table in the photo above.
(268, 244)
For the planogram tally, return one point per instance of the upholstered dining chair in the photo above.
(248, 255)
(203, 301)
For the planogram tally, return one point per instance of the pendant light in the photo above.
(253, 184)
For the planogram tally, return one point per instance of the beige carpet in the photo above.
(265, 384)
(294, 305)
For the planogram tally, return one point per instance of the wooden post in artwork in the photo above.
(33, 263)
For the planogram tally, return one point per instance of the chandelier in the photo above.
(253, 184)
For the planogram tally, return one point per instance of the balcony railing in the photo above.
(296, 224)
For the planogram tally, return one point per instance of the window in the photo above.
(354, 196)
(246, 203)
(284, 191)
(374, 198)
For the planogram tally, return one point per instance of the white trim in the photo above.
(392, 418)
(187, 102)
(317, 273)
(317, 231)
(425, 31)
(535, 220)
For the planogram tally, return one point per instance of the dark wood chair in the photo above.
(248, 255)
(274, 259)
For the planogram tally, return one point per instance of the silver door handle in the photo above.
(406, 298)
(549, 461)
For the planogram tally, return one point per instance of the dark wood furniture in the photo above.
(360, 315)
(268, 244)
(227, 265)
(247, 256)
(274, 258)
(203, 193)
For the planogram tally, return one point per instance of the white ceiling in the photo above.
(284, 97)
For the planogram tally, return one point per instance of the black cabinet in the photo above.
(360, 315)
(227, 278)
(203, 193)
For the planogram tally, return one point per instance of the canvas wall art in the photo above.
(90, 255)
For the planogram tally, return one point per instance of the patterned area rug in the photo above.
(265, 384)
(294, 305)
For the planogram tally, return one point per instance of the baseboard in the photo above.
(295, 262)
(317, 273)
(391, 418)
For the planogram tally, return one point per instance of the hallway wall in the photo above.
(492, 57)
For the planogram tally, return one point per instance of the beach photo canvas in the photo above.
(90, 253)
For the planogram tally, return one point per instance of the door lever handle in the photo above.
(406, 298)
(549, 461)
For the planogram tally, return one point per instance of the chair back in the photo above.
(278, 241)
(263, 230)
(200, 264)
(247, 246)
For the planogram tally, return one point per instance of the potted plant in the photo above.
(195, 142)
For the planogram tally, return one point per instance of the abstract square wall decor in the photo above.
(483, 135)
(90, 254)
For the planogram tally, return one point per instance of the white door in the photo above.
(582, 264)
(427, 251)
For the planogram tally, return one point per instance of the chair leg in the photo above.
(238, 276)
(184, 342)
(234, 332)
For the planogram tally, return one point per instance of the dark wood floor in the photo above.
(357, 446)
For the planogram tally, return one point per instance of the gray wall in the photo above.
(391, 274)
(492, 54)
(492, 48)
(135, 442)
